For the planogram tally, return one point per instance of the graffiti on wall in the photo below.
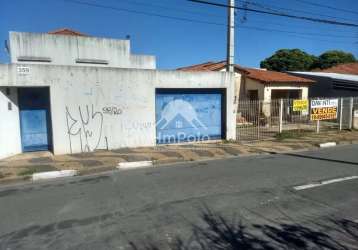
(84, 127)
(112, 110)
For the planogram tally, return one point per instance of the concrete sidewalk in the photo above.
(21, 167)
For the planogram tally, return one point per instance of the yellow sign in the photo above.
(300, 105)
(327, 113)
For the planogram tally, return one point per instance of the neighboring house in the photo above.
(344, 68)
(70, 93)
(338, 81)
(260, 84)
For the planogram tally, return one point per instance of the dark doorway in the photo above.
(35, 119)
(253, 95)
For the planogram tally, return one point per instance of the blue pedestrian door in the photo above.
(189, 115)
(35, 121)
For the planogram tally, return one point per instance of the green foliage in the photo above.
(333, 57)
(289, 60)
(26, 172)
(298, 60)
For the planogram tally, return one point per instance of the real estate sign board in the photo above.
(300, 105)
(325, 109)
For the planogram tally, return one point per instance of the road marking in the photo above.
(322, 183)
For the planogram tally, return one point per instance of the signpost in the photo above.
(325, 109)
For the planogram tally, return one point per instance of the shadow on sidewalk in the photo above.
(314, 158)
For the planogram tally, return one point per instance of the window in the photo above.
(91, 61)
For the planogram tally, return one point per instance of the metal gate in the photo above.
(259, 120)
(35, 119)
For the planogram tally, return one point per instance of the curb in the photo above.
(15, 180)
(327, 145)
(96, 170)
(53, 174)
(145, 164)
(134, 164)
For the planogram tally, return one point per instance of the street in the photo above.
(166, 205)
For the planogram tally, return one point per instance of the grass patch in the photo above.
(224, 141)
(290, 134)
(26, 172)
(29, 170)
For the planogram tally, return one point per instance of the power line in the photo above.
(170, 8)
(311, 19)
(277, 8)
(295, 32)
(294, 35)
(142, 12)
(326, 6)
(295, 26)
(196, 21)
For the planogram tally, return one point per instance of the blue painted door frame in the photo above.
(35, 120)
(184, 115)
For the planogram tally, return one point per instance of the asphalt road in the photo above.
(243, 203)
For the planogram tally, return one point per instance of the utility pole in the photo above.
(230, 36)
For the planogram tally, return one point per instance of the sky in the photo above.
(181, 33)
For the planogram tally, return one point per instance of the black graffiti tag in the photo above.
(85, 126)
(112, 110)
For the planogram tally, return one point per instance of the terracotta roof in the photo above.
(261, 75)
(266, 76)
(345, 68)
(208, 66)
(66, 31)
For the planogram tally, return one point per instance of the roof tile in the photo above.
(345, 68)
(66, 31)
(261, 75)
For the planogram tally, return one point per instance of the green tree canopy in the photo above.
(289, 60)
(333, 57)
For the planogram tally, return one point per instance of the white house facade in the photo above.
(80, 100)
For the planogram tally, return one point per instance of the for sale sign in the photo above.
(300, 105)
(325, 109)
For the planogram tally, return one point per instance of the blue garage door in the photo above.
(34, 119)
(183, 116)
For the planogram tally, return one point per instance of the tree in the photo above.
(333, 57)
(289, 60)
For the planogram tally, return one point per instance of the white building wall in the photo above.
(81, 97)
(278, 86)
(10, 141)
(266, 109)
(65, 50)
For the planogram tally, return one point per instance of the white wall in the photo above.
(239, 86)
(10, 142)
(80, 95)
(65, 50)
(278, 86)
